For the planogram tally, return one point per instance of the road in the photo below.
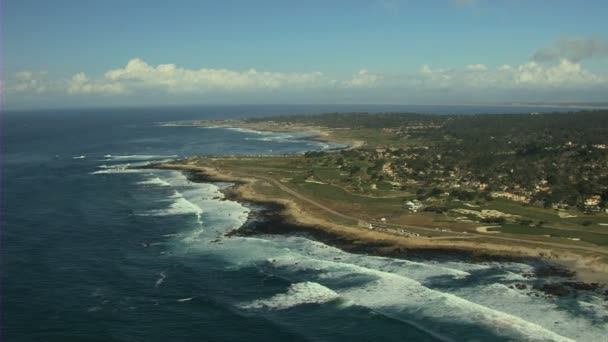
(469, 235)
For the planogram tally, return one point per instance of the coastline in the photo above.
(318, 133)
(288, 217)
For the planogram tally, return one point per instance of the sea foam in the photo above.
(204, 200)
(179, 206)
(118, 168)
(297, 294)
(403, 298)
(154, 181)
(110, 157)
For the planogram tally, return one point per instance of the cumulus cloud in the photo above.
(81, 84)
(572, 49)
(138, 74)
(477, 67)
(29, 81)
(565, 74)
(139, 79)
(363, 79)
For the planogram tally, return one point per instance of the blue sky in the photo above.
(58, 53)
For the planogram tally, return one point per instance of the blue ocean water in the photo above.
(93, 251)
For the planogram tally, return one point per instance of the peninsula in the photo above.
(524, 185)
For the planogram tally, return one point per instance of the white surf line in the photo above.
(487, 317)
(160, 280)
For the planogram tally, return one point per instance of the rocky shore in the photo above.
(277, 216)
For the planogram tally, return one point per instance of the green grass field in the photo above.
(355, 195)
(591, 237)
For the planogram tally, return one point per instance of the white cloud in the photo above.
(363, 79)
(169, 81)
(137, 74)
(565, 74)
(81, 84)
(29, 81)
(477, 67)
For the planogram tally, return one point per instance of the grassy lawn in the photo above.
(352, 196)
(551, 217)
(591, 237)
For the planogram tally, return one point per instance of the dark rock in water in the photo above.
(553, 271)
(583, 286)
(554, 289)
(521, 286)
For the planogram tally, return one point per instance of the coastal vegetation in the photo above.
(556, 160)
(535, 180)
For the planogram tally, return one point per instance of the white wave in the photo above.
(417, 270)
(222, 215)
(181, 300)
(110, 157)
(587, 323)
(324, 146)
(79, 157)
(124, 168)
(214, 214)
(400, 297)
(268, 135)
(119, 168)
(297, 294)
(174, 124)
(237, 129)
(393, 287)
(154, 181)
(598, 310)
(161, 279)
(138, 157)
(180, 206)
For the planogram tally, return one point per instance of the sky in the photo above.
(87, 53)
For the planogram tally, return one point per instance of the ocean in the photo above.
(94, 251)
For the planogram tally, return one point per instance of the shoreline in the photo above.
(318, 133)
(288, 217)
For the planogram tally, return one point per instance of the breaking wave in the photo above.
(154, 181)
(110, 157)
(297, 294)
(180, 206)
(118, 168)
